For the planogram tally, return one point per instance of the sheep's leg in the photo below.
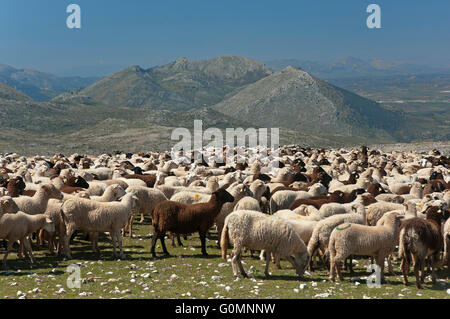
(332, 269)
(163, 244)
(28, 249)
(239, 263)
(119, 239)
(405, 270)
(69, 232)
(276, 258)
(130, 225)
(114, 242)
(435, 263)
(380, 262)
(234, 266)
(266, 270)
(417, 266)
(154, 239)
(94, 241)
(203, 240)
(8, 249)
(390, 267)
(142, 218)
(261, 255)
(179, 241)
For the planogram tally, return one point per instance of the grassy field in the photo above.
(187, 274)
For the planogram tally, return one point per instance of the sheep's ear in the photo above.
(423, 185)
(76, 181)
(135, 197)
(48, 220)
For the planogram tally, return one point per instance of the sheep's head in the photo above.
(8, 206)
(118, 191)
(223, 196)
(49, 225)
(52, 192)
(301, 260)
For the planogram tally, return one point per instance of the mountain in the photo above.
(39, 85)
(351, 67)
(298, 101)
(181, 85)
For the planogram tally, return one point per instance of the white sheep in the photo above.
(19, 226)
(147, 199)
(38, 203)
(321, 234)
(331, 209)
(355, 239)
(284, 198)
(111, 194)
(446, 235)
(248, 203)
(376, 210)
(93, 217)
(253, 230)
(8, 205)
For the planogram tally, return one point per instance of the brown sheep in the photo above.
(180, 218)
(418, 239)
(149, 180)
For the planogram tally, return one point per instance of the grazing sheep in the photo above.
(355, 239)
(19, 226)
(320, 236)
(256, 231)
(147, 199)
(180, 218)
(38, 203)
(93, 217)
(420, 238)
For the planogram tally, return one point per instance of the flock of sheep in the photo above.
(311, 207)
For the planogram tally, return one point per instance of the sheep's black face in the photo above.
(81, 182)
(224, 196)
(137, 170)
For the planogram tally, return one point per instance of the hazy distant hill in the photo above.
(180, 85)
(351, 67)
(296, 100)
(39, 85)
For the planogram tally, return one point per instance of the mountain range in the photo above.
(136, 108)
(351, 67)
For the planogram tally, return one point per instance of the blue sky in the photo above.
(33, 34)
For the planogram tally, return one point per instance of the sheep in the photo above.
(253, 230)
(302, 226)
(247, 203)
(180, 218)
(420, 238)
(111, 194)
(8, 205)
(284, 199)
(355, 239)
(147, 199)
(15, 187)
(38, 203)
(331, 209)
(392, 198)
(238, 192)
(18, 226)
(322, 231)
(446, 235)
(93, 217)
(376, 210)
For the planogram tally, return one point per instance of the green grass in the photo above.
(187, 274)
